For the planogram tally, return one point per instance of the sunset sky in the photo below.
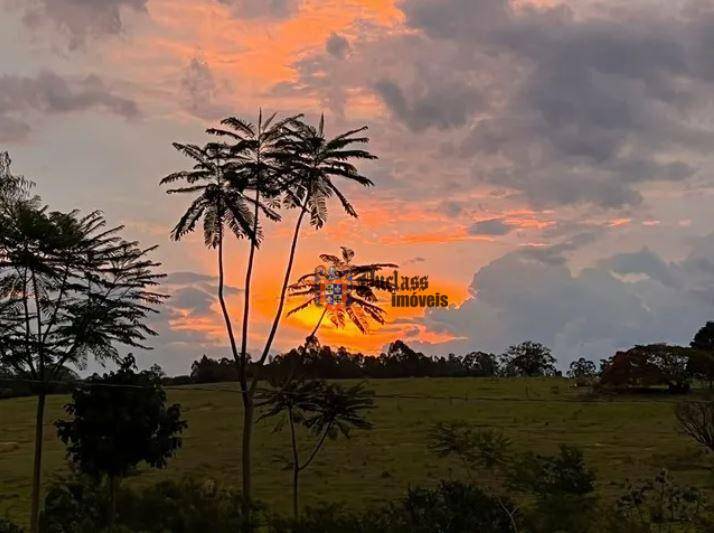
(549, 165)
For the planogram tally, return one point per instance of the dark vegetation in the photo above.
(532, 493)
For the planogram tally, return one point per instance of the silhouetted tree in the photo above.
(582, 371)
(326, 410)
(313, 162)
(528, 359)
(257, 160)
(207, 370)
(290, 161)
(480, 364)
(702, 359)
(696, 419)
(704, 338)
(359, 283)
(646, 366)
(70, 289)
(119, 420)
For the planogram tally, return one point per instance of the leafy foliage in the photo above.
(659, 502)
(69, 288)
(528, 359)
(704, 338)
(454, 507)
(119, 420)
(360, 298)
(218, 202)
(546, 476)
(645, 366)
(78, 505)
(582, 371)
(477, 448)
(325, 409)
(315, 161)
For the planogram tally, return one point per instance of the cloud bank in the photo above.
(621, 301)
(49, 93)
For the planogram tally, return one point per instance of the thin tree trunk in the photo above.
(248, 409)
(283, 291)
(246, 294)
(247, 404)
(37, 467)
(243, 376)
(319, 323)
(222, 300)
(296, 465)
(113, 486)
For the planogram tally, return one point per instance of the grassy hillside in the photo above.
(631, 437)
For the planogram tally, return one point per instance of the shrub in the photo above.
(696, 419)
(81, 505)
(8, 527)
(661, 502)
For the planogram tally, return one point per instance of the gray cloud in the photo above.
(204, 282)
(274, 9)
(337, 46)
(80, 19)
(590, 313)
(192, 296)
(561, 106)
(494, 226)
(49, 93)
(200, 90)
(643, 262)
(196, 301)
(441, 104)
(186, 278)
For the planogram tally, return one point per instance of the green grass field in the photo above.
(631, 437)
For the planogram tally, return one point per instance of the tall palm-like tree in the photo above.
(256, 160)
(315, 162)
(359, 282)
(220, 202)
(325, 409)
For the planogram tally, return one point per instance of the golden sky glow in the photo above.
(507, 134)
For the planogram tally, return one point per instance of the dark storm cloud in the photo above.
(562, 107)
(493, 227)
(439, 104)
(48, 93)
(337, 46)
(274, 9)
(525, 295)
(603, 102)
(80, 19)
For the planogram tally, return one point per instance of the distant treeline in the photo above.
(400, 361)
(641, 367)
(13, 385)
